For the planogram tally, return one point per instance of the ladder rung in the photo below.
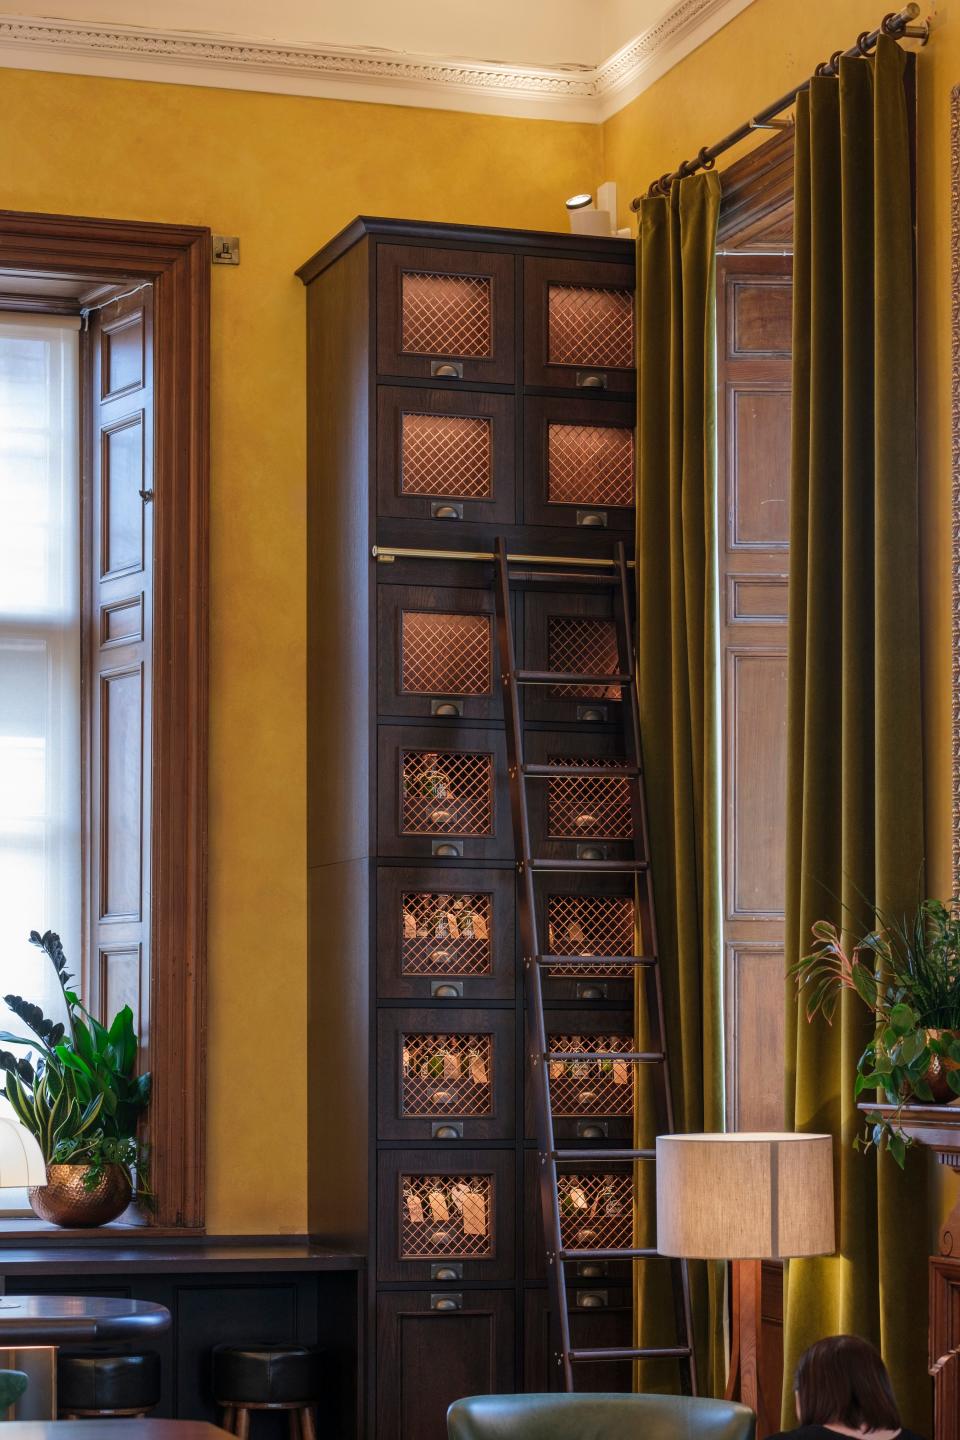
(577, 1156)
(566, 577)
(587, 867)
(547, 772)
(574, 960)
(639, 1057)
(633, 1352)
(568, 677)
(646, 1253)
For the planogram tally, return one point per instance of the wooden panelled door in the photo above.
(118, 496)
(754, 294)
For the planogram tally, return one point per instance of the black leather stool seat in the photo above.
(98, 1382)
(265, 1375)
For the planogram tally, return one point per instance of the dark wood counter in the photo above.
(73, 1257)
(226, 1290)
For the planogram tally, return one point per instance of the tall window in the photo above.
(40, 795)
(40, 702)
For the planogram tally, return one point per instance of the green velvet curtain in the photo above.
(678, 679)
(855, 782)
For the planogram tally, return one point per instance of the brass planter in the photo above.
(936, 1076)
(64, 1200)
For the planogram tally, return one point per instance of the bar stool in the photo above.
(266, 1377)
(92, 1385)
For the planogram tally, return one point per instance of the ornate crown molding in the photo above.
(564, 93)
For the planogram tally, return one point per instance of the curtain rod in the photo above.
(897, 24)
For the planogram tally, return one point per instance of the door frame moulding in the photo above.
(176, 259)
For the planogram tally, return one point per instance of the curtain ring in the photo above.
(822, 68)
(835, 59)
(664, 182)
(704, 160)
(887, 26)
(863, 42)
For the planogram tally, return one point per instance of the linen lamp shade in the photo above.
(21, 1159)
(745, 1196)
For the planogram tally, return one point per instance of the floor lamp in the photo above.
(746, 1198)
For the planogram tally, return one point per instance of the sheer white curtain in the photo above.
(40, 857)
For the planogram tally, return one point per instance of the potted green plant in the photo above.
(82, 1099)
(907, 974)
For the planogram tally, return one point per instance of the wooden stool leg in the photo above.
(307, 1425)
(229, 1415)
(242, 1426)
(293, 1420)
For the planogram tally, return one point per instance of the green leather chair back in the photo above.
(12, 1385)
(598, 1417)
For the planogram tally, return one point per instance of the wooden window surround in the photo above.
(50, 263)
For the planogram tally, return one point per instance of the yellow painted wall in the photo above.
(284, 174)
(757, 57)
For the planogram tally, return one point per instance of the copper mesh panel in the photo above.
(446, 314)
(591, 1087)
(447, 1075)
(596, 1211)
(445, 654)
(589, 464)
(587, 647)
(446, 792)
(446, 934)
(444, 1217)
(447, 455)
(590, 925)
(589, 807)
(590, 326)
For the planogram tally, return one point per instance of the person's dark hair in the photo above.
(843, 1381)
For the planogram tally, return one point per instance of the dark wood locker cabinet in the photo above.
(462, 383)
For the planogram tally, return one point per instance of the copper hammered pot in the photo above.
(64, 1201)
(936, 1076)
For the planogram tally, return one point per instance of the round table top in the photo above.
(49, 1319)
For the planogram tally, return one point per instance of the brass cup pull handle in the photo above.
(591, 380)
(447, 369)
(446, 512)
(592, 519)
(592, 1300)
(446, 1302)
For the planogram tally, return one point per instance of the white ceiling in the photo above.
(566, 59)
(521, 32)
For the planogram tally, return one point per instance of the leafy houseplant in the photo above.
(907, 974)
(80, 1097)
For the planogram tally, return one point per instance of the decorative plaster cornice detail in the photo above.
(567, 92)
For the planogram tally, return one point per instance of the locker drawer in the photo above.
(572, 633)
(591, 1099)
(446, 1074)
(593, 916)
(428, 1356)
(596, 1212)
(445, 1216)
(587, 815)
(437, 652)
(601, 1317)
(443, 794)
(579, 323)
(445, 314)
(445, 933)
(446, 457)
(579, 464)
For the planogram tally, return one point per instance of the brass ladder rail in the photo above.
(645, 967)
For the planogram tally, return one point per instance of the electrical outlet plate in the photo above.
(226, 249)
